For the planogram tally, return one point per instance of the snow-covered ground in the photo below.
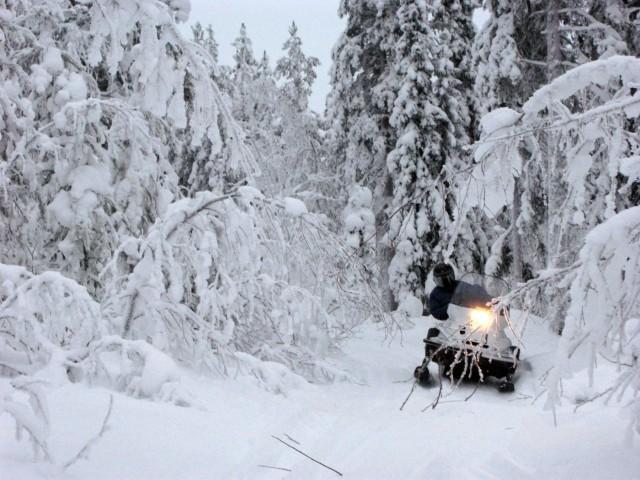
(358, 429)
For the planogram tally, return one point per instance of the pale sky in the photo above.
(267, 25)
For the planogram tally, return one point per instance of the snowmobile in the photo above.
(474, 343)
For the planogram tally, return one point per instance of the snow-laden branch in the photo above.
(32, 417)
(220, 274)
(84, 451)
(604, 315)
(572, 144)
(105, 116)
(40, 314)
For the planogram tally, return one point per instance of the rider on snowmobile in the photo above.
(447, 287)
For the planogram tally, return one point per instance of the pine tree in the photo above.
(211, 45)
(452, 22)
(243, 74)
(601, 28)
(362, 94)
(526, 44)
(266, 93)
(415, 163)
(431, 116)
(358, 111)
(297, 71)
(265, 127)
(206, 39)
(300, 160)
(512, 62)
(509, 40)
(401, 94)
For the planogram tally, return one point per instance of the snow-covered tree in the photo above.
(243, 74)
(205, 38)
(415, 164)
(297, 72)
(452, 23)
(300, 166)
(499, 65)
(601, 28)
(528, 43)
(221, 275)
(402, 92)
(521, 48)
(603, 317)
(80, 169)
(98, 119)
(264, 127)
(360, 100)
(432, 118)
(266, 99)
(358, 111)
(588, 290)
(359, 222)
(576, 128)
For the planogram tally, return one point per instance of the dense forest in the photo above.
(160, 207)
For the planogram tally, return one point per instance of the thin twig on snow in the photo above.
(292, 439)
(434, 404)
(309, 457)
(413, 387)
(92, 441)
(275, 468)
(473, 393)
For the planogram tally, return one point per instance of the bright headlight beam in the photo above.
(481, 318)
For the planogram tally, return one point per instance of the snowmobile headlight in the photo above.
(481, 318)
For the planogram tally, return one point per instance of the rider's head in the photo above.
(444, 276)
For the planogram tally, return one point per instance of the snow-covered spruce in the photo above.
(399, 130)
(432, 120)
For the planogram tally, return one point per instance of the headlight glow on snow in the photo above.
(481, 318)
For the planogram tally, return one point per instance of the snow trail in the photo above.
(356, 429)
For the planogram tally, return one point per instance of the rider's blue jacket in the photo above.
(466, 295)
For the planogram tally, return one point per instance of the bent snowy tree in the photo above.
(580, 129)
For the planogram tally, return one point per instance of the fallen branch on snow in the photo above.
(584, 401)
(434, 404)
(292, 439)
(275, 468)
(84, 451)
(310, 458)
(413, 387)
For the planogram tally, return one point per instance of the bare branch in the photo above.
(275, 468)
(310, 458)
(84, 451)
(413, 387)
(580, 403)
(472, 393)
(204, 206)
(292, 439)
(434, 404)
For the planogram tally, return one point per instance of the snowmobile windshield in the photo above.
(476, 291)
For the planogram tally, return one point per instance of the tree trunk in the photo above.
(516, 241)
(384, 249)
(554, 52)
